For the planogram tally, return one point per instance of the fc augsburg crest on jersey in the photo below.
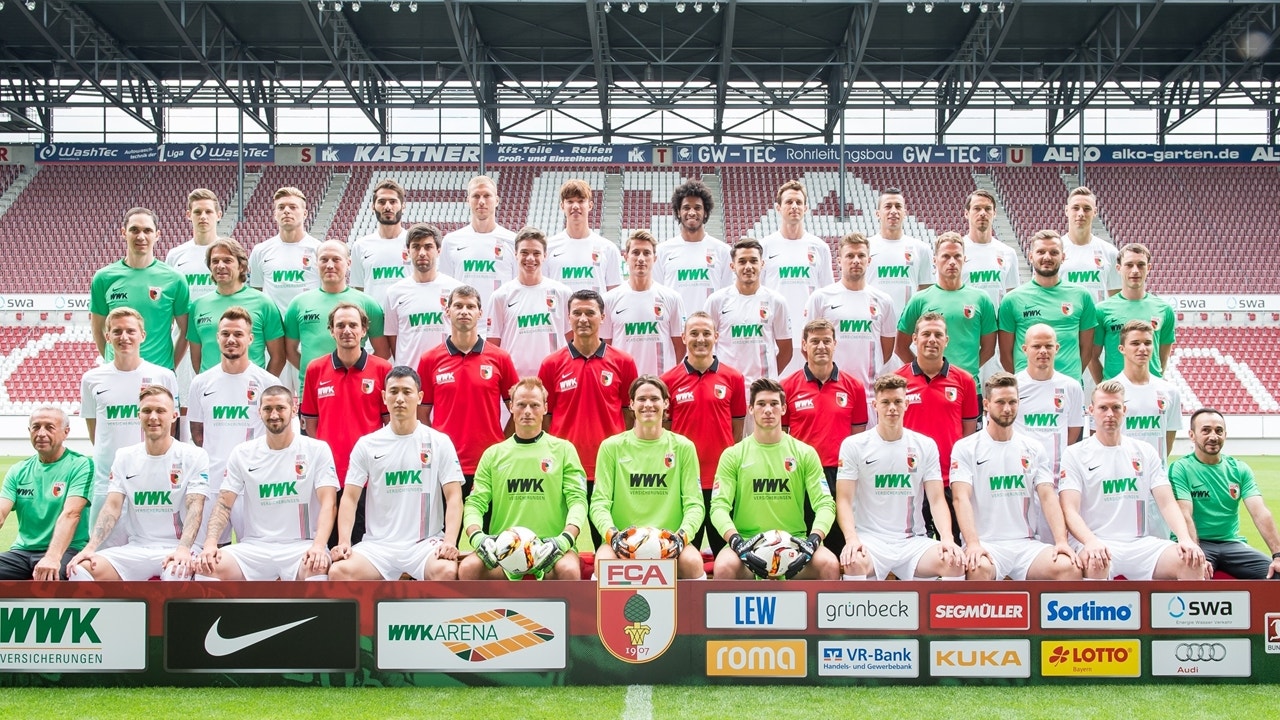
(175, 475)
(58, 488)
(911, 460)
(789, 464)
(366, 386)
(1234, 491)
(1137, 465)
(153, 292)
(669, 460)
(842, 399)
(969, 312)
(547, 465)
(606, 378)
(636, 608)
(300, 465)
(951, 394)
(424, 454)
(721, 392)
(486, 372)
(1067, 308)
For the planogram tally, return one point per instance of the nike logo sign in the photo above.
(774, 256)
(619, 311)
(513, 304)
(833, 307)
(1095, 467)
(557, 254)
(870, 461)
(209, 392)
(99, 392)
(981, 462)
(379, 457)
(218, 646)
(255, 469)
(130, 477)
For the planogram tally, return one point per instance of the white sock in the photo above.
(957, 577)
(855, 577)
(315, 578)
(80, 573)
(206, 578)
(703, 576)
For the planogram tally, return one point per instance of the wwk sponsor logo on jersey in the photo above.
(1219, 610)
(985, 611)
(636, 608)
(775, 611)
(261, 636)
(869, 658)
(980, 658)
(1090, 658)
(869, 611)
(1095, 611)
(59, 636)
(1210, 657)
(758, 658)
(477, 635)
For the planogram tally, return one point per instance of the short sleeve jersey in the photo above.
(863, 318)
(1215, 492)
(188, 260)
(1151, 410)
(377, 263)
(226, 405)
(763, 487)
(1003, 476)
(307, 321)
(482, 260)
(1117, 310)
(466, 392)
(586, 395)
(1114, 483)
(991, 267)
(206, 312)
(822, 414)
(403, 477)
(693, 269)
(647, 483)
(969, 313)
(703, 408)
(750, 327)
(346, 402)
(890, 476)
(538, 484)
(284, 270)
(938, 406)
(155, 488)
(899, 267)
(39, 491)
(641, 323)
(157, 292)
(1047, 410)
(795, 269)
(414, 314)
(530, 321)
(279, 487)
(590, 263)
(1091, 266)
(109, 397)
(1067, 308)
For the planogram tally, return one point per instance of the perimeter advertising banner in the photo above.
(636, 626)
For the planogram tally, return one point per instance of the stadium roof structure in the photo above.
(606, 65)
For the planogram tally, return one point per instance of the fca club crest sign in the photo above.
(636, 601)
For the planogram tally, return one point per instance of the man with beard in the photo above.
(377, 259)
(1067, 308)
(693, 263)
(229, 264)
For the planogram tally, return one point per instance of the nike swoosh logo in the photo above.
(255, 469)
(99, 392)
(130, 477)
(619, 311)
(209, 392)
(379, 457)
(833, 307)
(557, 254)
(218, 646)
(980, 462)
(870, 461)
(513, 304)
(774, 256)
(1095, 467)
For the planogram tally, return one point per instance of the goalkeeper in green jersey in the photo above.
(762, 484)
(530, 480)
(647, 477)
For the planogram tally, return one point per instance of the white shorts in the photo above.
(136, 562)
(1013, 558)
(1136, 559)
(392, 559)
(896, 555)
(268, 560)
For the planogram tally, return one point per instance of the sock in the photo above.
(315, 578)
(206, 578)
(80, 574)
(855, 577)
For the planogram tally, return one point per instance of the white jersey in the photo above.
(1114, 484)
(530, 321)
(899, 267)
(188, 259)
(1004, 476)
(155, 488)
(1150, 411)
(991, 267)
(1091, 266)
(1047, 409)
(641, 323)
(889, 495)
(403, 477)
(794, 269)
(110, 398)
(414, 313)
(482, 260)
(591, 263)
(694, 269)
(284, 270)
(278, 487)
(377, 263)
(750, 327)
(226, 405)
(862, 319)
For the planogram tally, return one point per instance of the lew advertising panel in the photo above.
(261, 636)
(869, 658)
(481, 635)
(869, 611)
(980, 611)
(1091, 611)
(758, 611)
(65, 636)
(758, 658)
(980, 658)
(1208, 657)
(1216, 610)
(1091, 658)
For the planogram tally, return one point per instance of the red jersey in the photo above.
(822, 413)
(346, 402)
(939, 406)
(465, 392)
(586, 395)
(703, 408)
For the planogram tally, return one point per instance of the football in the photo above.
(515, 550)
(777, 549)
(648, 543)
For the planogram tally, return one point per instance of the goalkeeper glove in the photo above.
(486, 547)
(678, 541)
(754, 563)
(619, 542)
(807, 549)
(550, 550)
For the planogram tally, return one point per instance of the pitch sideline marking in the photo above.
(638, 704)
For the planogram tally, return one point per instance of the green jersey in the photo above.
(538, 484)
(38, 492)
(307, 321)
(1117, 310)
(969, 313)
(1066, 308)
(158, 292)
(647, 483)
(1215, 493)
(763, 487)
(206, 311)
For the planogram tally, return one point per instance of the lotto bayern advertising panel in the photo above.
(636, 625)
